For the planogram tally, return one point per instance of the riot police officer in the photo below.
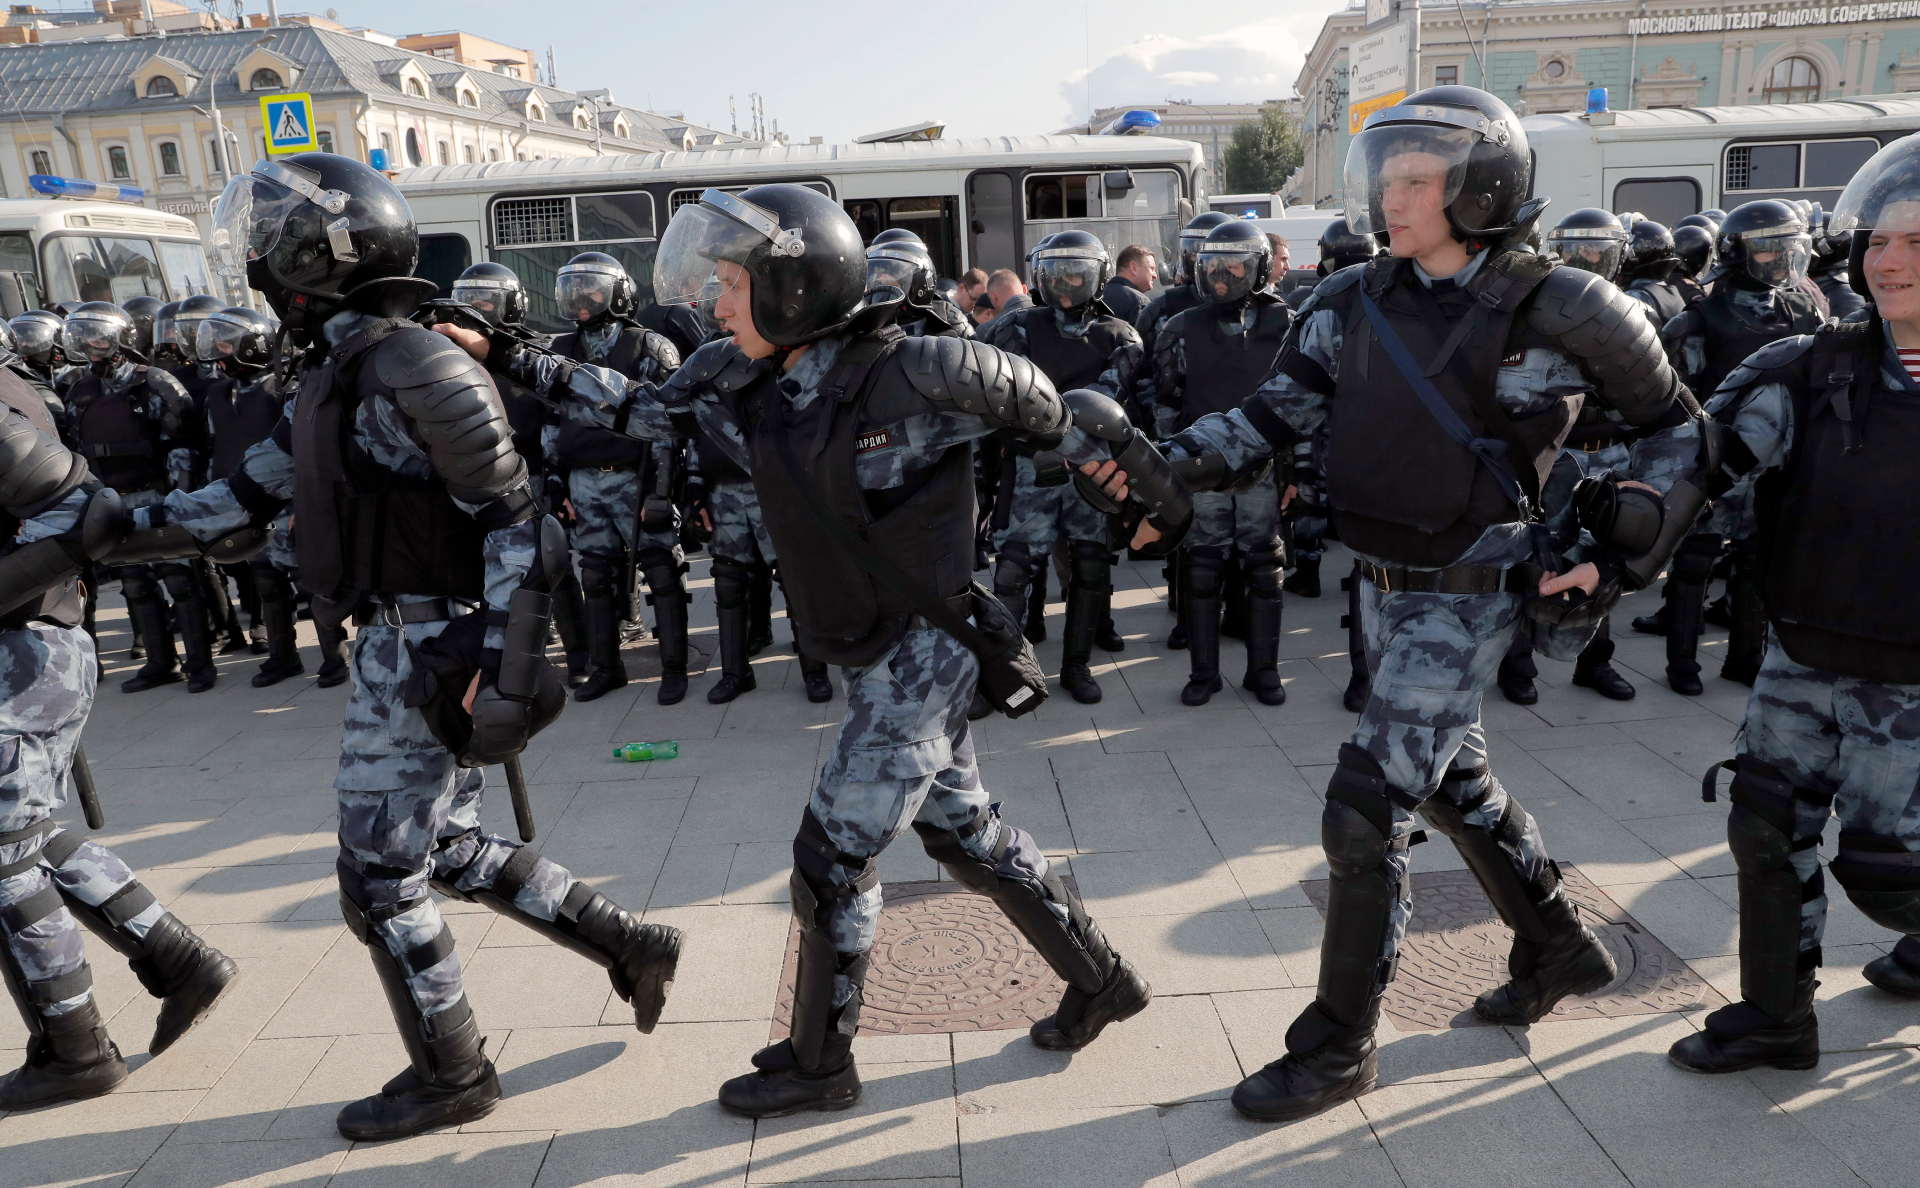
(609, 477)
(1694, 248)
(243, 406)
(1651, 262)
(132, 422)
(494, 292)
(1830, 728)
(1178, 296)
(1413, 365)
(36, 336)
(1076, 344)
(1829, 269)
(898, 259)
(52, 878)
(802, 347)
(1207, 359)
(408, 508)
(1763, 251)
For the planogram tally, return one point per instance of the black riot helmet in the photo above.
(896, 235)
(1694, 247)
(37, 337)
(1650, 254)
(902, 263)
(1716, 214)
(1342, 247)
(1884, 197)
(237, 340)
(1235, 262)
(1710, 226)
(98, 332)
(1462, 139)
(65, 308)
(175, 325)
(800, 249)
(317, 233)
(143, 309)
(593, 289)
(495, 291)
(9, 346)
(1764, 245)
(1071, 269)
(1192, 236)
(1590, 239)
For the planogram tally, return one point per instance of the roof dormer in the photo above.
(458, 89)
(407, 76)
(527, 101)
(161, 77)
(260, 69)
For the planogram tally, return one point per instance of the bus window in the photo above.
(1665, 200)
(1122, 207)
(536, 236)
(933, 219)
(19, 279)
(442, 259)
(186, 269)
(865, 213)
(679, 198)
(1816, 170)
(993, 238)
(101, 268)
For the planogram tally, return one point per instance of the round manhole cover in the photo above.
(944, 960)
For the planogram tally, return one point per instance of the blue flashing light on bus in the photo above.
(1596, 100)
(1137, 122)
(70, 187)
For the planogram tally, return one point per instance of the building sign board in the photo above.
(1377, 72)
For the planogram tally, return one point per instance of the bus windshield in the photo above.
(186, 270)
(101, 268)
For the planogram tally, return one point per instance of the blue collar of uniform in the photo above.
(1460, 278)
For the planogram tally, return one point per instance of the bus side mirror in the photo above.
(1119, 182)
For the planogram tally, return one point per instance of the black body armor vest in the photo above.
(242, 415)
(1225, 365)
(526, 416)
(1401, 489)
(363, 528)
(122, 445)
(589, 446)
(1840, 530)
(63, 604)
(842, 615)
(715, 466)
(1159, 311)
(1731, 336)
(1665, 299)
(1071, 362)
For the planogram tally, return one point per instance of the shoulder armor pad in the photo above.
(409, 360)
(1340, 281)
(1776, 355)
(36, 471)
(456, 411)
(1175, 327)
(1007, 390)
(659, 348)
(1122, 330)
(171, 390)
(1566, 297)
(1098, 415)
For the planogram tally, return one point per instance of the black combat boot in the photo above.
(668, 594)
(759, 609)
(1516, 677)
(606, 672)
(283, 650)
(1263, 648)
(1327, 1062)
(1655, 623)
(1087, 594)
(1083, 1015)
(196, 640)
(812, 1069)
(333, 655)
(813, 675)
(1108, 636)
(1570, 961)
(188, 975)
(1742, 1035)
(1203, 572)
(1897, 972)
(1305, 578)
(1360, 683)
(570, 620)
(162, 666)
(1594, 669)
(68, 1055)
(639, 958)
(732, 594)
(1687, 577)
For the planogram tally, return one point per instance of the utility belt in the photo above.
(1454, 579)
(960, 604)
(374, 612)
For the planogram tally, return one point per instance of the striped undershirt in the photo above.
(1910, 359)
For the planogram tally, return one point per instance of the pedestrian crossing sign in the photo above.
(288, 120)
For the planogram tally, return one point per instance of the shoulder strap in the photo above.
(848, 377)
(1503, 283)
(1845, 352)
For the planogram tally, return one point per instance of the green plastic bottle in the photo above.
(640, 752)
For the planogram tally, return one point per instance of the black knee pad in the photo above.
(1013, 569)
(1882, 878)
(1265, 568)
(137, 583)
(732, 581)
(1206, 570)
(1358, 817)
(600, 573)
(815, 858)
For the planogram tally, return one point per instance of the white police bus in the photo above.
(978, 203)
(90, 241)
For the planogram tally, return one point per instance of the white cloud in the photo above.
(1248, 64)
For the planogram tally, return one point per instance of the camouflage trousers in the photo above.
(606, 506)
(904, 754)
(1432, 658)
(1042, 515)
(408, 814)
(1249, 522)
(1857, 741)
(737, 527)
(46, 690)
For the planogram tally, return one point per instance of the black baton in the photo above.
(517, 788)
(83, 787)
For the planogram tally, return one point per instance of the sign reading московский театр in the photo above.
(1787, 18)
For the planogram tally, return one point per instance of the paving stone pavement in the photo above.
(1189, 831)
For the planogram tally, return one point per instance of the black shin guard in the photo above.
(1264, 598)
(1760, 830)
(1486, 855)
(732, 595)
(1356, 828)
(1013, 572)
(1204, 571)
(1686, 595)
(667, 593)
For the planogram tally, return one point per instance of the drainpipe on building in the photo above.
(514, 142)
(1633, 65)
(73, 144)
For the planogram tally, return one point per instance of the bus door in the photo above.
(993, 222)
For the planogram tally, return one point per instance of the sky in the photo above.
(989, 67)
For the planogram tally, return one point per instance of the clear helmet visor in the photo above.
(583, 294)
(1779, 261)
(90, 339)
(1883, 193)
(35, 336)
(489, 298)
(886, 272)
(1601, 256)
(1399, 174)
(1222, 278)
(1067, 282)
(217, 339)
(247, 222)
(689, 268)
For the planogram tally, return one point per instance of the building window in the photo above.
(42, 161)
(161, 87)
(386, 143)
(415, 89)
(213, 156)
(493, 154)
(516, 156)
(1446, 76)
(467, 153)
(325, 140)
(1793, 80)
(117, 163)
(265, 80)
(534, 112)
(169, 158)
(468, 99)
(445, 153)
(1555, 70)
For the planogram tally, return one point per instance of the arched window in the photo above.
(415, 89)
(444, 153)
(467, 153)
(170, 158)
(265, 80)
(493, 154)
(534, 112)
(580, 121)
(1793, 80)
(161, 87)
(468, 99)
